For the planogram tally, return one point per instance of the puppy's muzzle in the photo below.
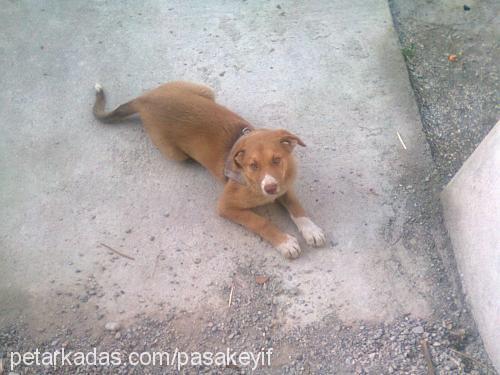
(271, 188)
(269, 185)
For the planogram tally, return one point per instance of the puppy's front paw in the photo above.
(313, 234)
(289, 248)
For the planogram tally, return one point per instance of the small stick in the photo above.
(471, 358)
(116, 251)
(428, 359)
(401, 140)
(231, 296)
(156, 263)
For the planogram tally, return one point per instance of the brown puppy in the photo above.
(256, 165)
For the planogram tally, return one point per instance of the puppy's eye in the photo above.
(254, 166)
(276, 160)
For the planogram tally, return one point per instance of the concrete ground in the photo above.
(333, 73)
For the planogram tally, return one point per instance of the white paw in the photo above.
(313, 234)
(289, 248)
(98, 87)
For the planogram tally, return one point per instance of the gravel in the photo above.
(252, 322)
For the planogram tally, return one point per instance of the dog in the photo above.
(256, 165)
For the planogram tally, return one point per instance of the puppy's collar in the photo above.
(245, 131)
(228, 170)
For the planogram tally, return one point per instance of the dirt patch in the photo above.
(452, 52)
(253, 321)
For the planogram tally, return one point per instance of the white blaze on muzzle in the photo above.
(266, 181)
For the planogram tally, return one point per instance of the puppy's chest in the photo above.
(260, 200)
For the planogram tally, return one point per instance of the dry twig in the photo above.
(116, 251)
(465, 355)
(401, 140)
(428, 359)
(231, 296)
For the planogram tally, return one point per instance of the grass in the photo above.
(409, 51)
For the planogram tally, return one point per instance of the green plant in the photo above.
(409, 51)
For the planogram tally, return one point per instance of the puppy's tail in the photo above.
(117, 114)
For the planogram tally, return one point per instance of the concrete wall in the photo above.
(472, 213)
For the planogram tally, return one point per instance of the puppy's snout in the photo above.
(269, 185)
(271, 188)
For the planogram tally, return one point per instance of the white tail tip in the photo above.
(98, 87)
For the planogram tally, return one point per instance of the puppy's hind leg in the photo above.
(166, 147)
(171, 152)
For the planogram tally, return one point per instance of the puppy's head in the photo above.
(264, 159)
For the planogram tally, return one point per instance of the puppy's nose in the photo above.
(271, 188)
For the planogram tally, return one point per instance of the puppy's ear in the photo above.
(238, 158)
(234, 165)
(289, 140)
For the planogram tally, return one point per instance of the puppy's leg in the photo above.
(165, 145)
(313, 234)
(287, 245)
(169, 150)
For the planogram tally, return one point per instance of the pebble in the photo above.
(112, 326)
(418, 330)
(378, 334)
